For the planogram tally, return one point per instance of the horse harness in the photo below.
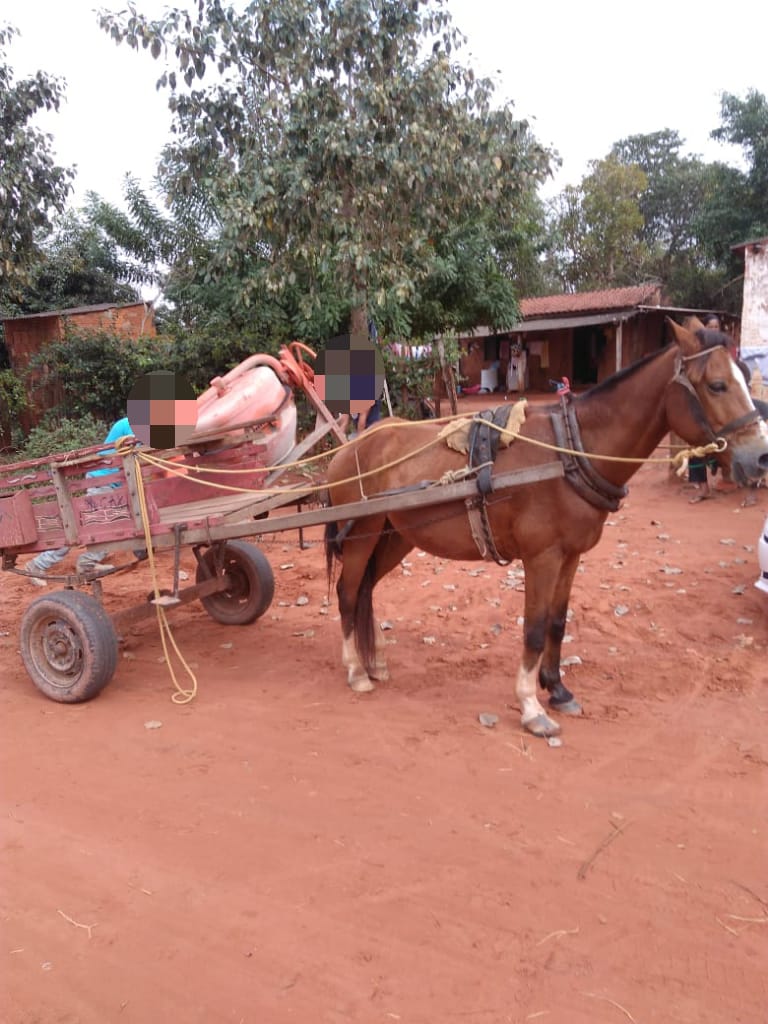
(483, 446)
(579, 471)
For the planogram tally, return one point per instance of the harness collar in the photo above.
(579, 471)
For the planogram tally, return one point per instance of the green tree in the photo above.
(32, 186)
(682, 193)
(675, 190)
(79, 265)
(596, 228)
(336, 147)
(745, 124)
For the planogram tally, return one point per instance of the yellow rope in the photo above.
(181, 696)
(679, 460)
(175, 470)
(718, 445)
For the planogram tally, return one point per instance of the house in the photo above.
(754, 311)
(584, 336)
(28, 335)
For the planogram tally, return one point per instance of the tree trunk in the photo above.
(358, 320)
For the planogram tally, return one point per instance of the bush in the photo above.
(97, 369)
(66, 435)
(13, 400)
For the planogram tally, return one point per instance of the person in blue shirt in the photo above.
(89, 562)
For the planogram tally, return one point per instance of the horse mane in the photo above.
(611, 383)
(707, 337)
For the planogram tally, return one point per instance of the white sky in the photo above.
(584, 72)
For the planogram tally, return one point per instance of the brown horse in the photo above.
(692, 387)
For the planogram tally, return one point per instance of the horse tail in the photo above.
(332, 548)
(365, 626)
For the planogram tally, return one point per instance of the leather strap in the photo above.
(579, 471)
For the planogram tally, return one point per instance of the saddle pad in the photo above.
(456, 433)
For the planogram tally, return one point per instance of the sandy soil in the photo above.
(282, 850)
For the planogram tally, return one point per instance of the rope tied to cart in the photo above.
(181, 695)
(679, 460)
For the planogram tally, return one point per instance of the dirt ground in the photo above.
(281, 850)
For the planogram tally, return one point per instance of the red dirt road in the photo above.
(281, 850)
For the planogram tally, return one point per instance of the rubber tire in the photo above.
(252, 584)
(68, 645)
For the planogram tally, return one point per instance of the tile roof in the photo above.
(591, 302)
(75, 310)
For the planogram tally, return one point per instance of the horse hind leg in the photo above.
(389, 552)
(367, 558)
(353, 589)
(560, 697)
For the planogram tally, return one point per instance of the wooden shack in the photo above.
(28, 335)
(583, 336)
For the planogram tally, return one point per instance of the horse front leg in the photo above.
(541, 575)
(560, 697)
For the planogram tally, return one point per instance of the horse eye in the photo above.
(717, 387)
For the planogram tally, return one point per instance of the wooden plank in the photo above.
(131, 468)
(226, 507)
(325, 413)
(194, 593)
(309, 442)
(433, 494)
(292, 497)
(66, 509)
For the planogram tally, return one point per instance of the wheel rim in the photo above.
(247, 577)
(238, 587)
(57, 651)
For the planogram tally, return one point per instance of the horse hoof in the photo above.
(542, 725)
(567, 707)
(380, 674)
(361, 686)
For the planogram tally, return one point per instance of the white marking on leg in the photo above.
(380, 669)
(357, 677)
(530, 706)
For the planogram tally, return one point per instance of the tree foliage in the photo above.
(596, 228)
(745, 124)
(79, 264)
(654, 213)
(95, 370)
(32, 186)
(334, 144)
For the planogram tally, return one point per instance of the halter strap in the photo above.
(681, 377)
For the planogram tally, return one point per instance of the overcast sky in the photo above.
(584, 73)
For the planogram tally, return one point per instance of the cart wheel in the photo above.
(251, 584)
(68, 645)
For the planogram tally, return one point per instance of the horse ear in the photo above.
(684, 336)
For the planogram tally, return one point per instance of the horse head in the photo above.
(708, 400)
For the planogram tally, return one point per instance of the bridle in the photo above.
(681, 377)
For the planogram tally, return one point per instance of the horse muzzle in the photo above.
(749, 462)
